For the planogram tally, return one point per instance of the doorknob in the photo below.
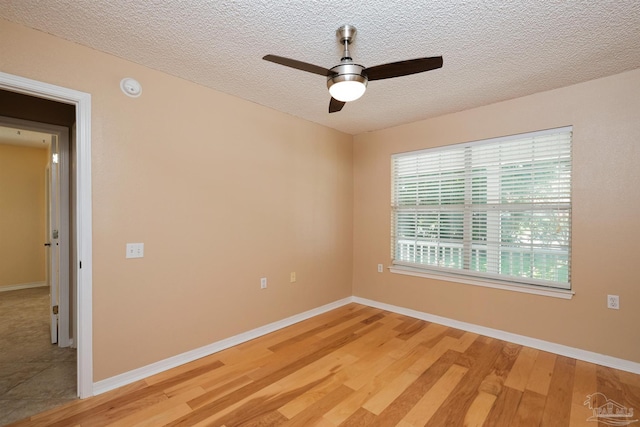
(47, 244)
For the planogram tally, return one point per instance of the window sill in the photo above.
(528, 289)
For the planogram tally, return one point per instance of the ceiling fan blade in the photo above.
(298, 65)
(403, 68)
(335, 105)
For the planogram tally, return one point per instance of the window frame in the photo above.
(464, 274)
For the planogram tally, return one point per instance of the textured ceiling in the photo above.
(493, 50)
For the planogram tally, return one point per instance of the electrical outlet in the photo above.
(613, 301)
(380, 268)
(292, 277)
(135, 250)
(263, 283)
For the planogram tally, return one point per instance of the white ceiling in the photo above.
(493, 50)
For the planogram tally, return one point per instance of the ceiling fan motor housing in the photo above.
(347, 72)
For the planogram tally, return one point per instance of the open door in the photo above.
(52, 235)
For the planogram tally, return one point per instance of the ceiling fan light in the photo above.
(347, 81)
(348, 90)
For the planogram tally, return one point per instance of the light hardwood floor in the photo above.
(361, 366)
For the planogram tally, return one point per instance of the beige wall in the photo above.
(220, 190)
(606, 215)
(22, 175)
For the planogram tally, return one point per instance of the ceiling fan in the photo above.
(347, 81)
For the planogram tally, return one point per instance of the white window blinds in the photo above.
(497, 209)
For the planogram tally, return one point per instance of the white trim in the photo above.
(563, 350)
(82, 102)
(527, 289)
(84, 333)
(189, 356)
(512, 137)
(22, 286)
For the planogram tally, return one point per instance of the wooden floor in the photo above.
(361, 366)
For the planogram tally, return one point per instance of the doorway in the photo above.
(80, 161)
(25, 145)
(38, 364)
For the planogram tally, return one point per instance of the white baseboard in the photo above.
(22, 286)
(105, 385)
(563, 350)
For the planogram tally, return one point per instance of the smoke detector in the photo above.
(131, 87)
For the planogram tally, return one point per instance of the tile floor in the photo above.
(34, 374)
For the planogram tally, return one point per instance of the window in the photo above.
(497, 209)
